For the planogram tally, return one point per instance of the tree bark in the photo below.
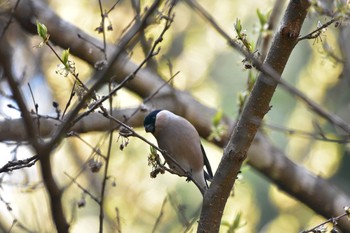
(248, 124)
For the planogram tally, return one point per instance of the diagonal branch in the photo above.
(44, 150)
(263, 155)
(274, 72)
(249, 122)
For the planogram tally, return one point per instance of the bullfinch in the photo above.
(178, 137)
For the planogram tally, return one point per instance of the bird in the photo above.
(180, 140)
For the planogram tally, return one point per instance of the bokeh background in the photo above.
(212, 72)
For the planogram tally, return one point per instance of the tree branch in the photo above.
(247, 126)
(262, 155)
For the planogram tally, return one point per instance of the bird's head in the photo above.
(150, 121)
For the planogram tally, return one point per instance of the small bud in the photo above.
(81, 203)
(217, 117)
(153, 174)
(347, 211)
(42, 31)
(99, 29)
(238, 26)
(94, 165)
(55, 104)
(64, 57)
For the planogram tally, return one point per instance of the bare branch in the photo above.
(19, 164)
(271, 72)
(316, 33)
(145, 84)
(255, 109)
(82, 188)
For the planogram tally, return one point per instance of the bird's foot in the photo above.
(189, 176)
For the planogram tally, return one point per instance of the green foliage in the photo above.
(42, 32)
(241, 36)
(218, 129)
(242, 97)
(263, 18)
(251, 81)
(67, 66)
(217, 117)
(236, 224)
(238, 27)
(64, 57)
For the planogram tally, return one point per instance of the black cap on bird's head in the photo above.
(150, 120)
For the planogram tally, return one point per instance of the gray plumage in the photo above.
(180, 139)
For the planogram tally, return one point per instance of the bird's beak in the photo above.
(149, 128)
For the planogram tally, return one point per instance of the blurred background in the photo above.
(212, 72)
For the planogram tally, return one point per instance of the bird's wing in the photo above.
(207, 165)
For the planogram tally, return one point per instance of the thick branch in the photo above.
(262, 156)
(44, 150)
(254, 111)
(31, 130)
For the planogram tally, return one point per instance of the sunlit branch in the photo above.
(270, 72)
(19, 164)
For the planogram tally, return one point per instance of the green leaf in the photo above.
(242, 96)
(251, 81)
(237, 221)
(238, 26)
(153, 150)
(217, 117)
(42, 31)
(262, 18)
(236, 224)
(64, 57)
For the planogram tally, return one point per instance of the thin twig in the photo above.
(10, 19)
(100, 75)
(179, 209)
(75, 75)
(95, 151)
(119, 227)
(334, 221)
(270, 72)
(302, 133)
(113, 6)
(105, 176)
(101, 28)
(36, 106)
(33, 99)
(131, 76)
(153, 52)
(316, 33)
(19, 164)
(82, 188)
(149, 98)
(160, 215)
(15, 220)
(72, 94)
(89, 42)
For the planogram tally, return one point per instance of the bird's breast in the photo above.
(183, 145)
